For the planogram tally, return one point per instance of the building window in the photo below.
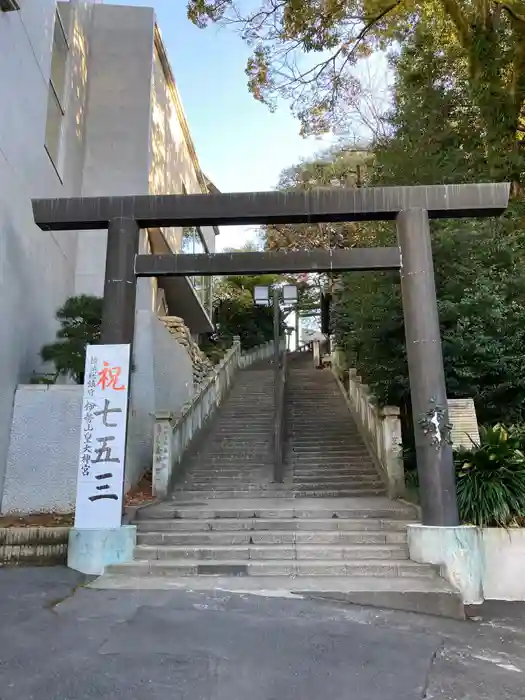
(193, 243)
(57, 87)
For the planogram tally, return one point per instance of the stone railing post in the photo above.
(317, 353)
(163, 456)
(352, 374)
(392, 457)
(379, 427)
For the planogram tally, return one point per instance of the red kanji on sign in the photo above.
(108, 378)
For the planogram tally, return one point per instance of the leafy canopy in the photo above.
(306, 51)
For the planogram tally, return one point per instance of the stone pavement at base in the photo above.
(61, 641)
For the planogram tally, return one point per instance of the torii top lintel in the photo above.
(317, 205)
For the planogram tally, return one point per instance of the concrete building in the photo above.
(89, 106)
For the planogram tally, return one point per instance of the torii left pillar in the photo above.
(118, 314)
(91, 550)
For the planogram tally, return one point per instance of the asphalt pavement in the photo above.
(60, 640)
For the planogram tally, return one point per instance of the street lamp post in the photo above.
(276, 319)
(261, 297)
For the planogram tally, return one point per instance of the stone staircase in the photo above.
(325, 455)
(328, 531)
(233, 457)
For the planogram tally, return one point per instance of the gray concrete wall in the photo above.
(37, 268)
(163, 380)
(43, 453)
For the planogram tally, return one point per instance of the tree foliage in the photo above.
(342, 166)
(479, 268)
(306, 51)
(236, 313)
(436, 136)
(80, 320)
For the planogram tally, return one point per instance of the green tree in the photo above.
(80, 320)
(306, 53)
(346, 165)
(237, 314)
(479, 267)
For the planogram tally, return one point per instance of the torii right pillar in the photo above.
(435, 462)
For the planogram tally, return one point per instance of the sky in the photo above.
(240, 144)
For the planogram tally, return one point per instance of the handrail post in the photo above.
(276, 334)
(163, 456)
(277, 448)
(279, 421)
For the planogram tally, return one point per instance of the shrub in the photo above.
(80, 323)
(490, 478)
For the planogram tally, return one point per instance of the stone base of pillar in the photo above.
(456, 550)
(90, 551)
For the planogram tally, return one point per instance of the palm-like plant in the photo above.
(490, 478)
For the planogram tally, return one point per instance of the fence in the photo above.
(173, 434)
(380, 427)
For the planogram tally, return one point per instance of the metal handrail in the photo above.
(280, 417)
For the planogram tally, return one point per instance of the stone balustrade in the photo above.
(380, 427)
(173, 433)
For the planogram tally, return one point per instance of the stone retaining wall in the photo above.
(35, 546)
(202, 366)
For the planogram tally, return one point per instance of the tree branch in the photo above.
(511, 11)
(457, 16)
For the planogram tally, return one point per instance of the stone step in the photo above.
(362, 463)
(355, 483)
(328, 457)
(318, 452)
(276, 552)
(226, 419)
(338, 493)
(342, 441)
(255, 492)
(338, 425)
(305, 463)
(242, 434)
(431, 596)
(270, 536)
(223, 475)
(269, 567)
(234, 459)
(275, 524)
(258, 491)
(220, 475)
(325, 484)
(310, 474)
(366, 509)
(229, 462)
(233, 485)
(247, 431)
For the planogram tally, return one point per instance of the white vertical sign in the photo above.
(103, 437)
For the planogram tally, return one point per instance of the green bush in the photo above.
(490, 478)
(80, 320)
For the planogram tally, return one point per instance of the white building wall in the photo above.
(121, 136)
(172, 169)
(36, 268)
(117, 141)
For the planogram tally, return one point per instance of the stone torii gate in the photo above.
(410, 207)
